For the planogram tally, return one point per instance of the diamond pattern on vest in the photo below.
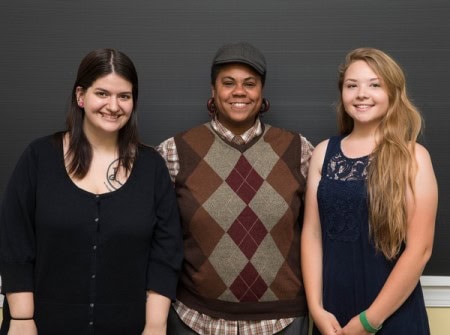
(283, 181)
(242, 208)
(269, 296)
(228, 296)
(279, 147)
(215, 155)
(285, 283)
(204, 181)
(269, 204)
(267, 264)
(249, 286)
(228, 260)
(224, 206)
(263, 158)
(247, 232)
(206, 236)
(281, 239)
(212, 284)
(199, 141)
(244, 180)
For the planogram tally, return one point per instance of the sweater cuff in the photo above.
(17, 277)
(163, 280)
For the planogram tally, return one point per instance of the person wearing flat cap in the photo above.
(240, 185)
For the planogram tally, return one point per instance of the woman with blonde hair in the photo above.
(370, 210)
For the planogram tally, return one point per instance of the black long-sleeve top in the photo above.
(89, 259)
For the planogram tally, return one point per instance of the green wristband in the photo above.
(366, 324)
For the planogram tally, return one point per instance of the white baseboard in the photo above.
(436, 291)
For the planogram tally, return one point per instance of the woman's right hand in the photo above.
(327, 323)
(22, 327)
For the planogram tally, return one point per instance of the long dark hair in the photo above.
(96, 64)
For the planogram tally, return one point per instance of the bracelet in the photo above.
(366, 324)
(22, 319)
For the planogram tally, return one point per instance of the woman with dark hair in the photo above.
(90, 239)
(240, 185)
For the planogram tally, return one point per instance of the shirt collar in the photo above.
(247, 136)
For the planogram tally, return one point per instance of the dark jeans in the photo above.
(177, 327)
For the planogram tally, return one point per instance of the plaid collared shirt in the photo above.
(201, 323)
(204, 324)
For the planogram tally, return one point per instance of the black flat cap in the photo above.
(241, 52)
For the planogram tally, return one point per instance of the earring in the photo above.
(80, 103)
(211, 107)
(265, 106)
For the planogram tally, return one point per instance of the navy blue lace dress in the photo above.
(353, 271)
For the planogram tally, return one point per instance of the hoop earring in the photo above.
(211, 107)
(265, 106)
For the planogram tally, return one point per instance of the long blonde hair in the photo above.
(392, 167)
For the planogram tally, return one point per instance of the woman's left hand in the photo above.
(354, 327)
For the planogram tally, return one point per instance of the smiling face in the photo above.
(364, 95)
(237, 94)
(108, 104)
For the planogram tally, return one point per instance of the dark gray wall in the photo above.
(172, 43)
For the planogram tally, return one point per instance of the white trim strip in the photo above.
(436, 291)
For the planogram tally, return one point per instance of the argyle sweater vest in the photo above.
(241, 211)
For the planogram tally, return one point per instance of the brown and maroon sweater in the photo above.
(241, 211)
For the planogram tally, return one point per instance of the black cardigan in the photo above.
(89, 259)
